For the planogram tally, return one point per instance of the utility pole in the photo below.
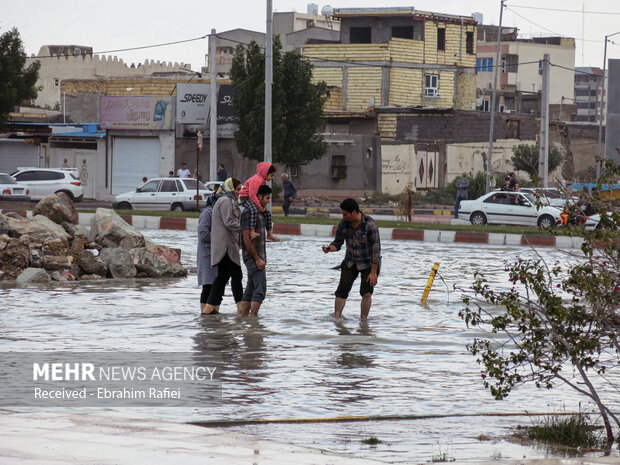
(268, 80)
(493, 96)
(213, 117)
(543, 153)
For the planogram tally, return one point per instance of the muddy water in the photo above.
(296, 361)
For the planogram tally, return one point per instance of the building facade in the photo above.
(520, 69)
(588, 94)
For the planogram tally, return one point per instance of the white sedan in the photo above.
(176, 194)
(505, 207)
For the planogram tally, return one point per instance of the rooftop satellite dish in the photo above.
(327, 10)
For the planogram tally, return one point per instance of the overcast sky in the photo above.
(119, 24)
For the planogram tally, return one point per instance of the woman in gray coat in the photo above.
(206, 272)
(225, 228)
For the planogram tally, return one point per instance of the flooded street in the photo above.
(295, 361)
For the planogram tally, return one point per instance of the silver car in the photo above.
(176, 194)
(505, 207)
(11, 190)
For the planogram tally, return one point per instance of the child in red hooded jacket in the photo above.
(264, 172)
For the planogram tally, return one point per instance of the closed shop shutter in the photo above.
(132, 159)
(16, 153)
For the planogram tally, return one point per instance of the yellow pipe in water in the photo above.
(429, 283)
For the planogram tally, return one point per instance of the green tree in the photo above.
(526, 157)
(16, 83)
(297, 105)
(555, 323)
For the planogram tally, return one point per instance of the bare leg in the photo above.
(243, 308)
(365, 305)
(202, 307)
(207, 309)
(339, 306)
(255, 307)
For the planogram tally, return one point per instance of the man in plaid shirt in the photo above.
(363, 255)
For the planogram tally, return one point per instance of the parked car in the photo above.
(176, 194)
(505, 207)
(45, 181)
(11, 190)
(550, 196)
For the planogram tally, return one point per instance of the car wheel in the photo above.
(546, 222)
(68, 193)
(176, 207)
(125, 206)
(478, 218)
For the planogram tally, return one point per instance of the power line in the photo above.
(567, 11)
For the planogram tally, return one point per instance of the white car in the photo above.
(12, 191)
(176, 194)
(45, 181)
(505, 207)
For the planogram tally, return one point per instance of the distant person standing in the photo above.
(290, 192)
(363, 255)
(183, 172)
(221, 173)
(462, 188)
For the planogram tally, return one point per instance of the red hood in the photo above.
(262, 169)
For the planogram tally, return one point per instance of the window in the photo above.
(469, 43)
(431, 85)
(402, 32)
(168, 185)
(339, 167)
(360, 35)
(501, 108)
(150, 186)
(484, 65)
(485, 105)
(294, 170)
(441, 38)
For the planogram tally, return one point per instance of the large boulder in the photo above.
(14, 258)
(175, 269)
(33, 276)
(58, 230)
(57, 207)
(119, 262)
(4, 225)
(91, 264)
(57, 262)
(33, 229)
(110, 230)
(146, 262)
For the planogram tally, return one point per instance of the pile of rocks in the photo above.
(52, 246)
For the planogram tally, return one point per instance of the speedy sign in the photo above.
(193, 103)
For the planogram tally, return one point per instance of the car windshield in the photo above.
(190, 184)
(6, 179)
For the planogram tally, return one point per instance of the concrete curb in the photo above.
(325, 230)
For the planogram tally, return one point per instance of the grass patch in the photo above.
(372, 441)
(573, 430)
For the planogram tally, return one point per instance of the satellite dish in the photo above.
(327, 10)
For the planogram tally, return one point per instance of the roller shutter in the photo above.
(132, 159)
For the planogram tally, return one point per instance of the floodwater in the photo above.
(295, 361)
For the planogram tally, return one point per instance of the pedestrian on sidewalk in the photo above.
(290, 192)
(462, 188)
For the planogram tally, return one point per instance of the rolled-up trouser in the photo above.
(226, 269)
(348, 277)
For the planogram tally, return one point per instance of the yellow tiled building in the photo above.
(397, 57)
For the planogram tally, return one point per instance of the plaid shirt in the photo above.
(363, 244)
(247, 204)
(259, 242)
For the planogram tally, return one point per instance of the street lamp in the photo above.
(601, 149)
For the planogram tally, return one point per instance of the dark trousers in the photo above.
(457, 204)
(286, 204)
(226, 269)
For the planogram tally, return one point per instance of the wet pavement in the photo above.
(408, 361)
